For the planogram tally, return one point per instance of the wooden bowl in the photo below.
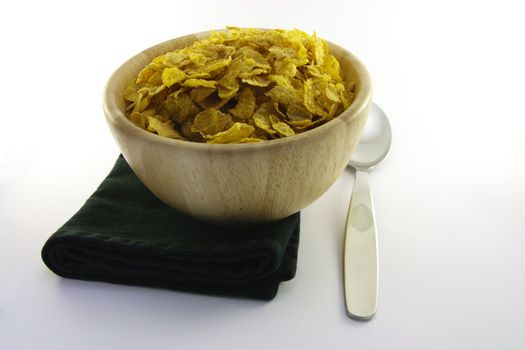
(238, 183)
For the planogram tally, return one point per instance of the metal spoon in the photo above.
(360, 247)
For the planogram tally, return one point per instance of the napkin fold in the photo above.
(124, 234)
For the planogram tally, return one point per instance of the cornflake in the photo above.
(242, 85)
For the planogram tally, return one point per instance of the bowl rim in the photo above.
(115, 115)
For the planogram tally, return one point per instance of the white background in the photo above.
(450, 198)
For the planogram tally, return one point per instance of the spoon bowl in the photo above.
(375, 141)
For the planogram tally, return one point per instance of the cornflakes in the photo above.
(210, 122)
(241, 85)
(245, 104)
(164, 129)
(172, 75)
(236, 133)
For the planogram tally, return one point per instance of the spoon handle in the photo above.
(360, 252)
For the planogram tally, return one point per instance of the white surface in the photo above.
(449, 199)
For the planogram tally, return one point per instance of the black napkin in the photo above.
(124, 234)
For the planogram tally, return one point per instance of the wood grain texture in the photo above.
(238, 183)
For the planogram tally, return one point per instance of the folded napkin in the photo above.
(124, 234)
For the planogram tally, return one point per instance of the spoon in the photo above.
(360, 247)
